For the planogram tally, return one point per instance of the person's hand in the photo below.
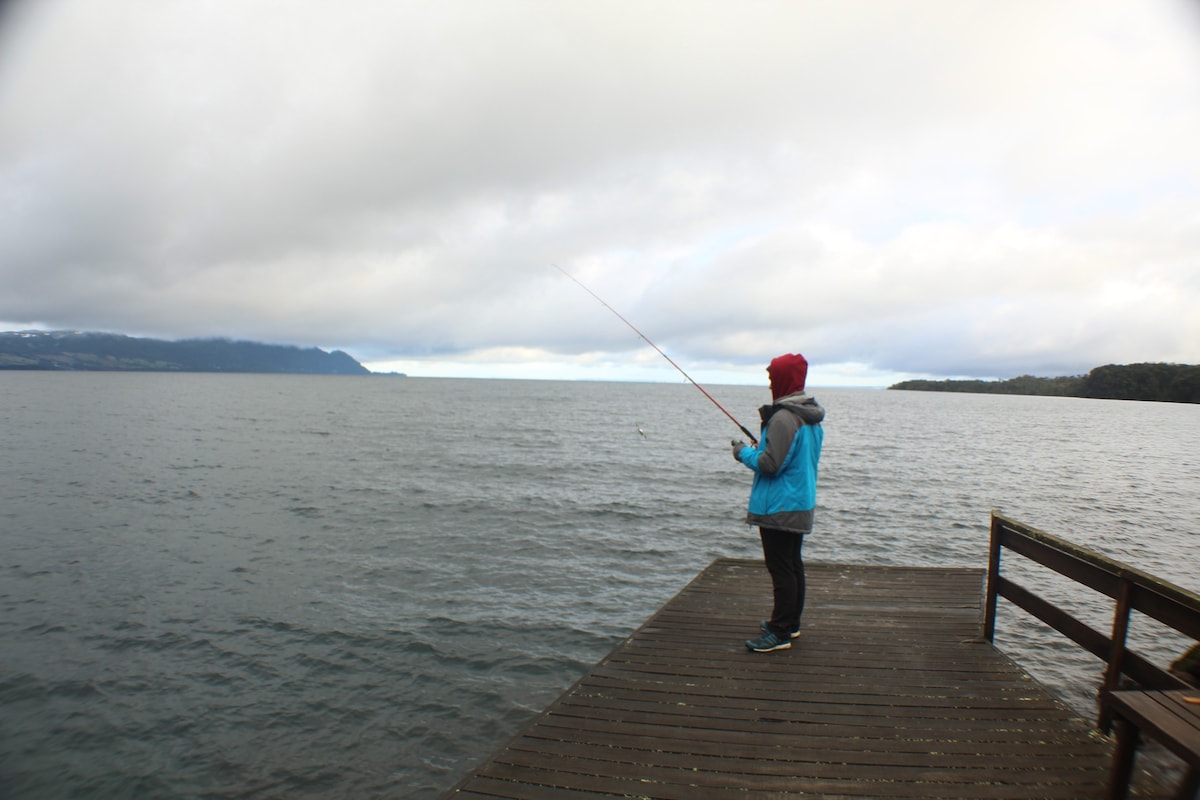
(737, 444)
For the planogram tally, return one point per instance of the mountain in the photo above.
(1173, 383)
(65, 350)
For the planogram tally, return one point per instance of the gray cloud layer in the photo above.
(923, 187)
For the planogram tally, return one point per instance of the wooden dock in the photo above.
(889, 692)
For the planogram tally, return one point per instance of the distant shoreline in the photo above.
(71, 351)
(1170, 383)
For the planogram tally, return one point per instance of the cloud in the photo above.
(921, 187)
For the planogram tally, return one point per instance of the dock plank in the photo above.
(890, 692)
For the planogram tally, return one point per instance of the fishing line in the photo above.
(646, 339)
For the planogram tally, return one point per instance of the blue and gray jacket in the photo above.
(785, 464)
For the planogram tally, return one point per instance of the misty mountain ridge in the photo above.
(111, 352)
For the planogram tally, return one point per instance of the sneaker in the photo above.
(762, 626)
(768, 642)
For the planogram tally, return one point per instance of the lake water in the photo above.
(237, 586)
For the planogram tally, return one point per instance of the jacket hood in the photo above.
(787, 373)
(805, 406)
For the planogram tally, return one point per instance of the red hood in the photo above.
(787, 373)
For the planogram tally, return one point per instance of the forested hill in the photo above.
(1174, 383)
(58, 350)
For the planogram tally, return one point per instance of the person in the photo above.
(784, 493)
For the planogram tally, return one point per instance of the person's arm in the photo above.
(774, 447)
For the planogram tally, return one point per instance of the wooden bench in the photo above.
(1171, 718)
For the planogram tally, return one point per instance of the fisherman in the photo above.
(784, 493)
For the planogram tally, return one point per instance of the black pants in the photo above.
(781, 550)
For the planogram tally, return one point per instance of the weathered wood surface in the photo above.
(889, 692)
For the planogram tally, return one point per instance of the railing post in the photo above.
(993, 573)
(1116, 654)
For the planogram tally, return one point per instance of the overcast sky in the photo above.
(935, 188)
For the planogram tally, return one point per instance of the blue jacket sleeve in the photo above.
(775, 442)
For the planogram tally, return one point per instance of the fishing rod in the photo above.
(646, 339)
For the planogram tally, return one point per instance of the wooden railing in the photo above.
(1130, 588)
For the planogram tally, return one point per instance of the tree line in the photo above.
(1171, 383)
